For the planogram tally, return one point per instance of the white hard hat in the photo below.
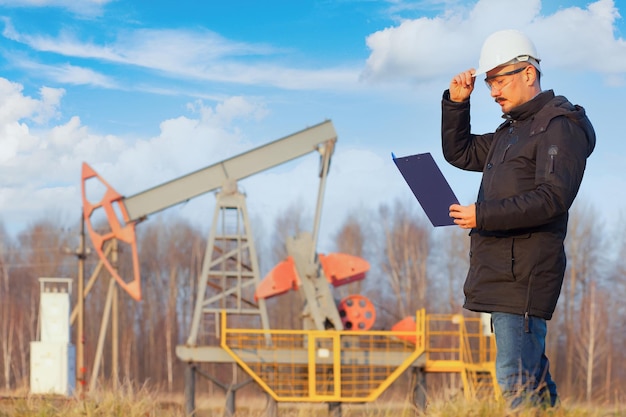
(506, 46)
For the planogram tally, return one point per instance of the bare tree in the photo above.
(612, 299)
(591, 346)
(7, 324)
(289, 223)
(585, 246)
(182, 243)
(351, 239)
(154, 244)
(450, 262)
(406, 249)
(285, 310)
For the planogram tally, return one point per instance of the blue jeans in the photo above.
(522, 368)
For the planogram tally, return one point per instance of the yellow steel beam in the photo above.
(357, 366)
(339, 353)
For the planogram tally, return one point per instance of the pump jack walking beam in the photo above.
(224, 174)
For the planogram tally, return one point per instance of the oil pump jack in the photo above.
(229, 283)
(336, 357)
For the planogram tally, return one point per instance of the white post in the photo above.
(52, 359)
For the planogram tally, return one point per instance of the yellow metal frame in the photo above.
(459, 344)
(357, 366)
(324, 366)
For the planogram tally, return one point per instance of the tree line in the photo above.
(413, 266)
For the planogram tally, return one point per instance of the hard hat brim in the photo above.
(524, 58)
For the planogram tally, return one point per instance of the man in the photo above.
(532, 168)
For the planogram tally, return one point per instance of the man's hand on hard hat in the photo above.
(462, 85)
(464, 216)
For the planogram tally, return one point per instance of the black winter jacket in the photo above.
(532, 167)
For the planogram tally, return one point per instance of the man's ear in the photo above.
(530, 74)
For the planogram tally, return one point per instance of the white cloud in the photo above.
(69, 74)
(40, 167)
(582, 39)
(184, 54)
(229, 109)
(14, 106)
(424, 48)
(184, 144)
(153, 48)
(17, 142)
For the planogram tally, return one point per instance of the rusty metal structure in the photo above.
(335, 357)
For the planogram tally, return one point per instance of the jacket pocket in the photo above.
(491, 259)
(522, 259)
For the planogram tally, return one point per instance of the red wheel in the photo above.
(357, 312)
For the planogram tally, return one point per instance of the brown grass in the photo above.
(142, 402)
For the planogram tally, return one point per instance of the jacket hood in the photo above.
(552, 106)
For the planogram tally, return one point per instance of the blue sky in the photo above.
(148, 91)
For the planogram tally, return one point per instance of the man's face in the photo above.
(509, 86)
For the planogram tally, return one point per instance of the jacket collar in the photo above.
(528, 109)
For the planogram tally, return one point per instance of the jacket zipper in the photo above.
(552, 151)
(505, 151)
(527, 309)
(511, 130)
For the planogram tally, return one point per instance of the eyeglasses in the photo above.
(498, 81)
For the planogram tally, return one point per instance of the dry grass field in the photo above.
(128, 402)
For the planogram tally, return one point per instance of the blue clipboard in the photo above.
(429, 186)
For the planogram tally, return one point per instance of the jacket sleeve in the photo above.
(560, 164)
(461, 148)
